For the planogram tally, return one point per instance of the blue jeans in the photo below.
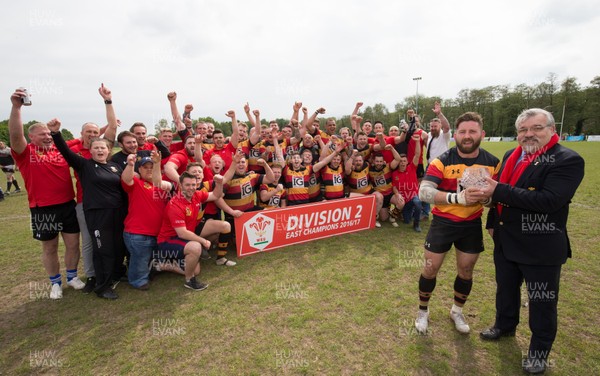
(140, 249)
(412, 209)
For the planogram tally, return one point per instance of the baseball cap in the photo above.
(143, 161)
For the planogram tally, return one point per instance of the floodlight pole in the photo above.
(417, 96)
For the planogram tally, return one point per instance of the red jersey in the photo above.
(77, 147)
(46, 174)
(176, 146)
(146, 207)
(182, 213)
(226, 153)
(410, 152)
(147, 146)
(406, 182)
(181, 160)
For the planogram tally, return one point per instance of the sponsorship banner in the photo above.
(495, 139)
(575, 138)
(265, 230)
(593, 138)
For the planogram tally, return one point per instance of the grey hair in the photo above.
(89, 123)
(529, 113)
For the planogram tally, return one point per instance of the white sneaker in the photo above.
(422, 321)
(224, 261)
(377, 224)
(459, 322)
(76, 283)
(56, 292)
(393, 222)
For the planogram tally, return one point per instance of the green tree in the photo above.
(67, 135)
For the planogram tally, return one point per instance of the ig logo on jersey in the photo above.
(298, 182)
(362, 183)
(246, 189)
(380, 181)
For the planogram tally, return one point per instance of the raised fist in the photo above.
(54, 125)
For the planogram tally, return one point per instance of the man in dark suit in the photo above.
(528, 224)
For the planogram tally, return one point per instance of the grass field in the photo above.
(339, 306)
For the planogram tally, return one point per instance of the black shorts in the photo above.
(48, 221)
(200, 226)
(466, 236)
(10, 168)
(386, 201)
(216, 216)
(420, 171)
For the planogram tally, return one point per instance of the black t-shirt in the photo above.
(101, 182)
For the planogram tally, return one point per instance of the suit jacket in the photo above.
(532, 228)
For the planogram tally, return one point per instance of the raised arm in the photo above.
(308, 123)
(235, 136)
(296, 110)
(254, 134)
(249, 115)
(237, 157)
(417, 139)
(296, 134)
(74, 160)
(187, 112)
(325, 161)
(217, 192)
(349, 162)
(357, 108)
(18, 143)
(269, 176)
(110, 134)
(198, 151)
(128, 172)
(157, 174)
(278, 151)
(171, 171)
(355, 120)
(437, 110)
(396, 161)
(380, 144)
(172, 97)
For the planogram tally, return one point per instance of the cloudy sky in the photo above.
(219, 54)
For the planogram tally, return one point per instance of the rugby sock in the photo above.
(223, 242)
(426, 287)
(462, 289)
(8, 185)
(71, 274)
(56, 279)
(16, 184)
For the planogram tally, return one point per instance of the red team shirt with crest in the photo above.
(46, 174)
(182, 213)
(146, 207)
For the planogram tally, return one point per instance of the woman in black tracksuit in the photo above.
(104, 208)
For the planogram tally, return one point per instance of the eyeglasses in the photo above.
(535, 129)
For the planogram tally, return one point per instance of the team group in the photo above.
(162, 205)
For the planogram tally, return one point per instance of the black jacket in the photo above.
(532, 227)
